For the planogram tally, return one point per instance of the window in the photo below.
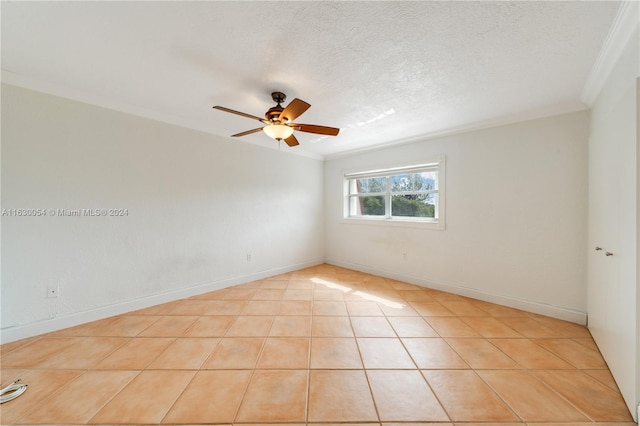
(404, 194)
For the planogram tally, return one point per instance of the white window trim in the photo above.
(403, 222)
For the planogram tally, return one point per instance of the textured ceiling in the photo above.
(384, 72)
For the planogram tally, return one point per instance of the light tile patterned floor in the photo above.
(319, 345)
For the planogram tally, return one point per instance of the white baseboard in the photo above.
(11, 334)
(525, 305)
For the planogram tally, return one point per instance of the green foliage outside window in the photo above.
(404, 206)
(407, 199)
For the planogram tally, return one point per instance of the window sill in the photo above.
(395, 222)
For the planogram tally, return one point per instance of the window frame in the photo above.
(437, 165)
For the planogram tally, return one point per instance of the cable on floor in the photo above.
(12, 391)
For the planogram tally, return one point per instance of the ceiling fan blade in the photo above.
(292, 141)
(232, 111)
(312, 128)
(248, 132)
(295, 109)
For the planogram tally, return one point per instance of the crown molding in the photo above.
(38, 85)
(521, 117)
(624, 26)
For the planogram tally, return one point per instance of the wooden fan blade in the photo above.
(248, 132)
(232, 111)
(294, 110)
(312, 128)
(292, 141)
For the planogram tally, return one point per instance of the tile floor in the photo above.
(319, 345)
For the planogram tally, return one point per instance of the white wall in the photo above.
(197, 205)
(515, 217)
(614, 314)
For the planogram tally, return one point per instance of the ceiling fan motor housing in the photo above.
(273, 114)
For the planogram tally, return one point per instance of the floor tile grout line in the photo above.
(499, 396)
(529, 372)
(35, 339)
(154, 358)
(515, 331)
(435, 395)
(308, 386)
(17, 420)
(554, 353)
(311, 319)
(366, 375)
(501, 351)
(409, 353)
(253, 371)
(615, 389)
(576, 339)
(564, 358)
(60, 390)
(193, 376)
(417, 368)
(559, 395)
(421, 372)
(565, 336)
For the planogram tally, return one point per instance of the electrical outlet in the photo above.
(248, 257)
(52, 292)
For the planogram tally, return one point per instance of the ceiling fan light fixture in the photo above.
(278, 131)
(278, 122)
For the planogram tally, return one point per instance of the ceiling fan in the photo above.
(279, 121)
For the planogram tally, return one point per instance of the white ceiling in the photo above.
(384, 72)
